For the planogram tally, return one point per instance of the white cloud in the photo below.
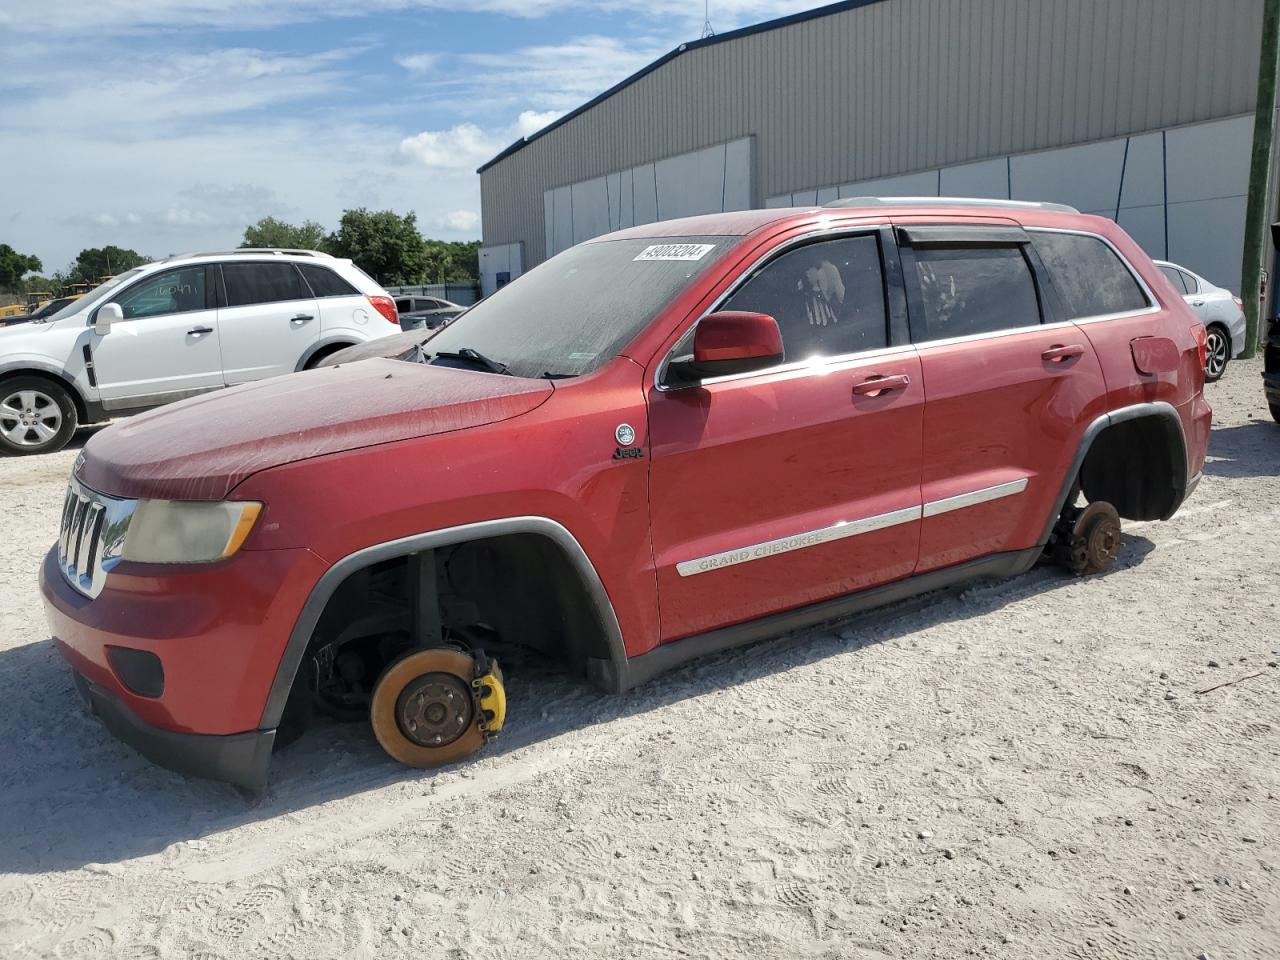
(531, 121)
(463, 147)
(462, 221)
(108, 17)
(419, 62)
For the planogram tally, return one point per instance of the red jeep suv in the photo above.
(671, 440)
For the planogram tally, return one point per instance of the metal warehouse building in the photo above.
(1140, 110)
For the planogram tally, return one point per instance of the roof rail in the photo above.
(947, 202)
(238, 250)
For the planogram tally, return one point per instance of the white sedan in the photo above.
(1221, 310)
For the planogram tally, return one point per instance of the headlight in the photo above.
(181, 531)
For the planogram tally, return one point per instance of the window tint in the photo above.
(970, 290)
(828, 298)
(404, 305)
(1089, 277)
(1174, 276)
(325, 283)
(249, 283)
(1190, 282)
(172, 291)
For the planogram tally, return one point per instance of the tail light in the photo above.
(1202, 342)
(1239, 303)
(387, 307)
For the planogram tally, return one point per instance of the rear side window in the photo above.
(828, 298)
(249, 283)
(1174, 276)
(1190, 282)
(964, 291)
(1090, 279)
(404, 305)
(325, 283)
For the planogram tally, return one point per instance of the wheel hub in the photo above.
(434, 709)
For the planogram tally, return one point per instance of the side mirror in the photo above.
(730, 342)
(107, 314)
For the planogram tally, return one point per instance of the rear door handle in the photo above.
(1060, 354)
(301, 318)
(1197, 303)
(874, 386)
(197, 331)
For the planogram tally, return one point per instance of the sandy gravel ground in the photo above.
(1021, 770)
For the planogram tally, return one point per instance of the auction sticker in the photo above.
(676, 251)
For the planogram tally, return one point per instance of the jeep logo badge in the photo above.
(625, 435)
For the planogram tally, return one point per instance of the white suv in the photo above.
(177, 328)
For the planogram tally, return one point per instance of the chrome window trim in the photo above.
(1154, 304)
(848, 528)
(848, 230)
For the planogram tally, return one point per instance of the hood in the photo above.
(397, 346)
(199, 449)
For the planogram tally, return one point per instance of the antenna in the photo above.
(707, 30)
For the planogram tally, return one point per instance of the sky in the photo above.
(167, 126)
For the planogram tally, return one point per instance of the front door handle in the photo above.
(874, 386)
(198, 331)
(1197, 303)
(1061, 354)
(301, 319)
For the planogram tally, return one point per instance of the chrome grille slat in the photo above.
(84, 554)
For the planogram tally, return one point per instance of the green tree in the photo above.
(384, 244)
(13, 265)
(270, 232)
(95, 262)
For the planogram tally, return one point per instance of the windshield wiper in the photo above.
(552, 375)
(473, 356)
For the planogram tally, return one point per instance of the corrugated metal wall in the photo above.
(901, 85)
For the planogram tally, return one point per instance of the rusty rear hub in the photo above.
(434, 709)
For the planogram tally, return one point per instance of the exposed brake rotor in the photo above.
(1095, 539)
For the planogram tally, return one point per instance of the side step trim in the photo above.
(637, 670)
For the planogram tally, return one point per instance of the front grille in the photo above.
(91, 536)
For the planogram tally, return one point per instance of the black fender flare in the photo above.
(322, 592)
(1158, 409)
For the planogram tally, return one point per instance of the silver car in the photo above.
(1221, 310)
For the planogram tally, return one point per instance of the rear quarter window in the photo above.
(325, 283)
(1090, 279)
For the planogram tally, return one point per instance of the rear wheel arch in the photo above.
(318, 353)
(565, 590)
(1134, 458)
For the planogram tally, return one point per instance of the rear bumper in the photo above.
(240, 759)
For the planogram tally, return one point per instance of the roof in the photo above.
(738, 34)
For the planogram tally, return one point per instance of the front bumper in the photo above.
(219, 631)
(240, 759)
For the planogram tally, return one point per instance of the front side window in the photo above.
(828, 298)
(1090, 279)
(578, 310)
(171, 291)
(250, 283)
(404, 305)
(964, 291)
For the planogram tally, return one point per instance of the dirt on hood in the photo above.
(200, 449)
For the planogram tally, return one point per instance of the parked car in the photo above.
(758, 420)
(1221, 311)
(46, 309)
(429, 312)
(176, 328)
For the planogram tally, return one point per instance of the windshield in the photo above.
(93, 296)
(569, 315)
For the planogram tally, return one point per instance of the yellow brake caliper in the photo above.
(490, 695)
